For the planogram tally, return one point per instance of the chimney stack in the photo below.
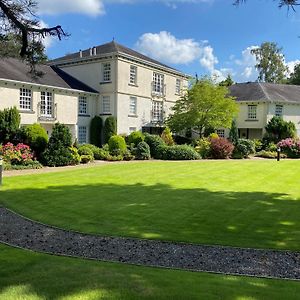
(95, 51)
(80, 53)
(91, 51)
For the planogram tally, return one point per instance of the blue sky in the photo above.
(195, 36)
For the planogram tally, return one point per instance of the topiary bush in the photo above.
(110, 128)
(178, 152)
(36, 137)
(117, 145)
(58, 151)
(203, 147)
(243, 148)
(156, 145)
(167, 137)
(143, 151)
(221, 148)
(135, 138)
(96, 131)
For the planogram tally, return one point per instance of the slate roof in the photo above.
(111, 47)
(265, 92)
(14, 69)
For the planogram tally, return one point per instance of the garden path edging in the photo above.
(24, 233)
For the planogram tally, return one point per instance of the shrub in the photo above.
(291, 147)
(269, 154)
(178, 152)
(135, 138)
(96, 131)
(20, 154)
(277, 129)
(114, 157)
(221, 148)
(36, 137)
(117, 145)
(258, 145)
(29, 165)
(86, 149)
(75, 156)
(271, 147)
(243, 148)
(181, 140)
(128, 156)
(86, 159)
(110, 128)
(167, 137)
(155, 143)
(203, 147)
(9, 124)
(143, 151)
(58, 151)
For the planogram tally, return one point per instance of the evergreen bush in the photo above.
(135, 138)
(110, 128)
(96, 131)
(9, 124)
(143, 151)
(117, 145)
(156, 144)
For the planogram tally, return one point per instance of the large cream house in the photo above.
(108, 80)
(259, 102)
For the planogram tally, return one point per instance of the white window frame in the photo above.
(221, 133)
(133, 75)
(106, 105)
(178, 86)
(82, 134)
(106, 72)
(252, 112)
(157, 111)
(278, 110)
(158, 83)
(133, 106)
(25, 101)
(47, 104)
(82, 105)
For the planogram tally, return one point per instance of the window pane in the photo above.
(133, 74)
(158, 83)
(82, 105)
(82, 134)
(132, 106)
(106, 72)
(25, 99)
(278, 110)
(252, 111)
(46, 104)
(157, 111)
(106, 104)
(221, 133)
(178, 86)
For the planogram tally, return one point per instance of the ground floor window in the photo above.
(82, 134)
(221, 133)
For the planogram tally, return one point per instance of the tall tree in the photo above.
(205, 105)
(270, 63)
(17, 17)
(227, 82)
(295, 76)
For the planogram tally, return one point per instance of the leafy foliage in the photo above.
(291, 147)
(178, 152)
(167, 137)
(20, 154)
(227, 82)
(9, 124)
(221, 148)
(86, 150)
(143, 151)
(270, 63)
(110, 128)
(277, 129)
(243, 148)
(96, 131)
(117, 145)
(295, 76)
(233, 133)
(135, 138)
(155, 142)
(203, 147)
(204, 105)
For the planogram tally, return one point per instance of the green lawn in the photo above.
(30, 276)
(240, 203)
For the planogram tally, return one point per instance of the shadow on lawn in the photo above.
(247, 219)
(27, 275)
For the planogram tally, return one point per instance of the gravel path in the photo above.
(21, 232)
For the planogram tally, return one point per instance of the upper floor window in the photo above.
(25, 99)
(46, 104)
(132, 106)
(158, 83)
(178, 86)
(106, 69)
(157, 111)
(133, 75)
(278, 110)
(106, 105)
(82, 105)
(252, 112)
(82, 134)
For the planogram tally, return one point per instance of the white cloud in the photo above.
(48, 40)
(291, 65)
(208, 60)
(87, 7)
(165, 47)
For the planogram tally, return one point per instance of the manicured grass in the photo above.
(238, 203)
(31, 276)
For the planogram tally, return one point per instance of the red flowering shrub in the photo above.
(221, 148)
(16, 155)
(291, 147)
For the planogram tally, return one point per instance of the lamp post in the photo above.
(278, 153)
(1, 169)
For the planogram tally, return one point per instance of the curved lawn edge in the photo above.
(26, 234)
